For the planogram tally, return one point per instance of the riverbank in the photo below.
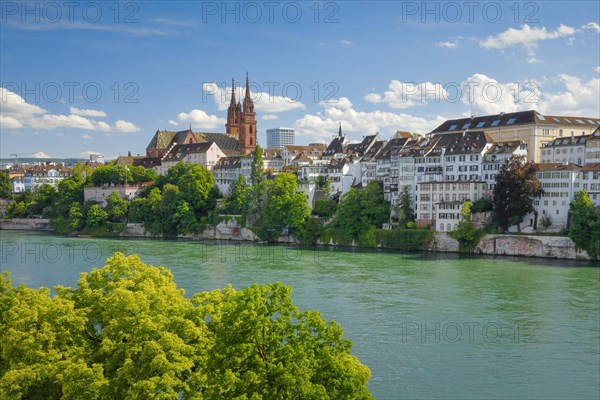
(553, 247)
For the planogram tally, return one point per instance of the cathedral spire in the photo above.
(232, 103)
(247, 100)
(340, 131)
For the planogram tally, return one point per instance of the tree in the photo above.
(484, 204)
(546, 221)
(5, 186)
(584, 227)
(257, 177)
(127, 331)
(239, 197)
(516, 187)
(75, 219)
(466, 233)
(195, 186)
(44, 198)
(117, 208)
(361, 210)
(96, 216)
(286, 207)
(404, 211)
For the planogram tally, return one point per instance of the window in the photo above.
(480, 124)
(466, 126)
(556, 120)
(511, 121)
(452, 127)
(579, 121)
(540, 117)
(496, 122)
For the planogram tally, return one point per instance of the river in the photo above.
(429, 326)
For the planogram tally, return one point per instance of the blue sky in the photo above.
(95, 77)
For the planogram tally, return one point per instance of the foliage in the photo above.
(516, 187)
(286, 207)
(311, 232)
(119, 174)
(257, 177)
(196, 186)
(484, 204)
(546, 221)
(44, 199)
(324, 207)
(16, 209)
(359, 211)
(584, 227)
(5, 186)
(96, 216)
(466, 233)
(127, 332)
(404, 212)
(405, 239)
(117, 208)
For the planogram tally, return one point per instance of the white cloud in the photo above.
(124, 126)
(87, 113)
(448, 45)
(597, 69)
(263, 101)
(533, 60)
(7, 122)
(269, 117)
(86, 136)
(347, 42)
(577, 98)
(403, 95)
(488, 96)
(592, 26)
(16, 106)
(88, 153)
(16, 113)
(525, 36)
(200, 119)
(343, 103)
(173, 122)
(40, 154)
(323, 126)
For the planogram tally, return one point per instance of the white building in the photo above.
(228, 169)
(439, 202)
(206, 154)
(100, 194)
(290, 153)
(571, 150)
(496, 156)
(592, 148)
(278, 138)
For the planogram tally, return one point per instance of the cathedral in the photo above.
(241, 121)
(239, 137)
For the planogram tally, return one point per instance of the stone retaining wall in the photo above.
(28, 224)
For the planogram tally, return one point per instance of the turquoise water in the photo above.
(428, 326)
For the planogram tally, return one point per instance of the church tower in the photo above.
(232, 127)
(247, 125)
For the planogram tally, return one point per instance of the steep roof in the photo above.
(510, 119)
(386, 151)
(180, 151)
(508, 147)
(557, 167)
(336, 146)
(147, 162)
(164, 139)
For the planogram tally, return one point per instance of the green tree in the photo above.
(96, 216)
(483, 204)
(76, 219)
(257, 177)
(584, 224)
(403, 210)
(239, 197)
(359, 211)
(286, 206)
(466, 233)
(5, 186)
(281, 353)
(195, 187)
(16, 209)
(117, 208)
(517, 186)
(127, 332)
(44, 200)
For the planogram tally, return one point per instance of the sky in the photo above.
(78, 78)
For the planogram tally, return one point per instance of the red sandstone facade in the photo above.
(241, 120)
